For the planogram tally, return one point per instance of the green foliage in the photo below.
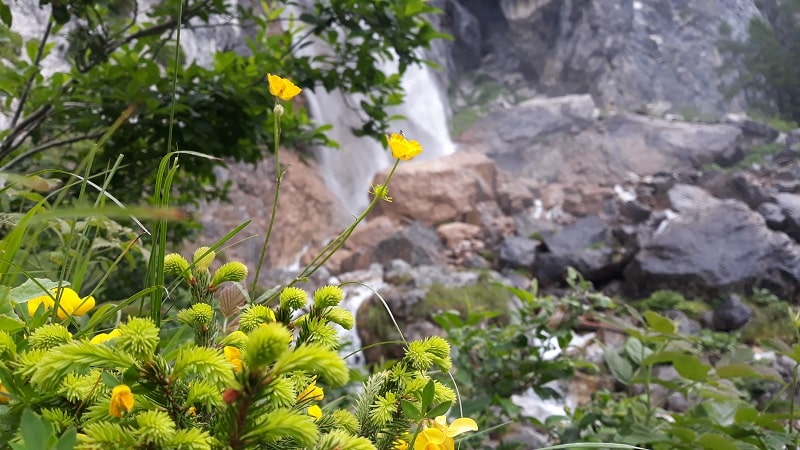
(664, 300)
(765, 63)
(116, 80)
(719, 414)
(493, 361)
(758, 154)
(484, 295)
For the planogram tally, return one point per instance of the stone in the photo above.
(740, 186)
(588, 245)
(773, 216)
(304, 206)
(446, 189)
(683, 197)
(731, 314)
(357, 253)
(560, 143)
(517, 252)
(456, 232)
(635, 211)
(790, 207)
(720, 248)
(686, 325)
(416, 244)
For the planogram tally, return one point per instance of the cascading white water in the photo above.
(348, 171)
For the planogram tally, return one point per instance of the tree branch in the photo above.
(23, 128)
(35, 62)
(48, 145)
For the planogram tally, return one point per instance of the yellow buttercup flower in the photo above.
(314, 411)
(440, 435)
(282, 88)
(402, 148)
(234, 356)
(3, 394)
(102, 337)
(312, 392)
(70, 303)
(121, 401)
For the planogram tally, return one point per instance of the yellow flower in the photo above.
(400, 445)
(440, 436)
(402, 148)
(121, 400)
(381, 191)
(234, 356)
(282, 88)
(312, 392)
(314, 411)
(102, 337)
(3, 393)
(70, 303)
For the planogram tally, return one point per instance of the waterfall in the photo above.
(348, 171)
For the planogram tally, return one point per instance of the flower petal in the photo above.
(461, 425)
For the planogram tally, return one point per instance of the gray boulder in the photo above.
(416, 244)
(731, 314)
(588, 245)
(517, 252)
(722, 247)
(790, 207)
(557, 140)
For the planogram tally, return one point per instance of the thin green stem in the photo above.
(278, 178)
(337, 243)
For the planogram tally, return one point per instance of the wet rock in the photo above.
(790, 207)
(517, 252)
(416, 244)
(686, 326)
(587, 245)
(446, 189)
(731, 314)
(635, 211)
(773, 215)
(737, 186)
(683, 197)
(721, 247)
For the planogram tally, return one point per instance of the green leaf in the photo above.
(716, 442)
(410, 410)
(688, 366)
(10, 324)
(439, 410)
(36, 432)
(620, 367)
(427, 394)
(68, 440)
(739, 371)
(636, 351)
(5, 14)
(33, 288)
(659, 323)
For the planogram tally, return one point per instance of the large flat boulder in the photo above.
(719, 247)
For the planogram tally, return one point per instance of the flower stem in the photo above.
(279, 177)
(337, 243)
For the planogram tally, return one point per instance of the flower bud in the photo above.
(278, 110)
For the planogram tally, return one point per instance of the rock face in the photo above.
(721, 247)
(562, 140)
(307, 212)
(622, 52)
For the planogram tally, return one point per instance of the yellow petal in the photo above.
(33, 304)
(312, 392)
(402, 148)
(86, 304)
(430, 437)
(281, 87)
(100, 338)
(315, 412)
(461, 425)
(121, 401)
